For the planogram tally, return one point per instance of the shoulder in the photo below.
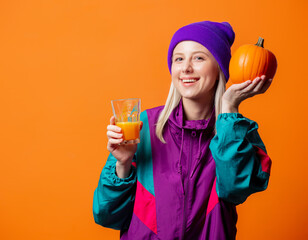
(147, 134)
(155, 110)
(151, 114)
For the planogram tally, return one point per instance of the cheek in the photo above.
(210, 71)
(174, 69)
(175, 81)
(215, 69)
(175, 74)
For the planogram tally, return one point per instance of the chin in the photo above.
(191, 97)
(190, 94)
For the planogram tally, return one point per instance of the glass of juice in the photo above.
(127, 117)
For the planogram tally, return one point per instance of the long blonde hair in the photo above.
(174, 98)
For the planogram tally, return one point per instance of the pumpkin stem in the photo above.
(260, 42)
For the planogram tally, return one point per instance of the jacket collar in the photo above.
(177, 118)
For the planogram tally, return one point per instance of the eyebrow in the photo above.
(194, 52)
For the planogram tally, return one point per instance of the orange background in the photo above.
(62, 62)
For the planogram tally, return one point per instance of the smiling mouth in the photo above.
(190, 80)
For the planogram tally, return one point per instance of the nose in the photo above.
(186, 67)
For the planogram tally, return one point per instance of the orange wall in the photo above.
(63, 61)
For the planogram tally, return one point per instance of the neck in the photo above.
(196, 110)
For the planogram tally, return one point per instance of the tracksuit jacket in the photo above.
(189, 187)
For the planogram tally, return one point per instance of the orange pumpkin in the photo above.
(250, 61)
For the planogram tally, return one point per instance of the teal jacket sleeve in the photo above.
(242, 163)
(114, 197)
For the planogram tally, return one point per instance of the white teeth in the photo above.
(188, 80)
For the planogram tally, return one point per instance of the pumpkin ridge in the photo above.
(254, 68)
(266, 63)
(244, 62)
(251, 60)
(260, 63)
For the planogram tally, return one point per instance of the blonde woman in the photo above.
(198, 156)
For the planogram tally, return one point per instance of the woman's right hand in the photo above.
(124, 153)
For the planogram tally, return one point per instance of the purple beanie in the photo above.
(216, 37)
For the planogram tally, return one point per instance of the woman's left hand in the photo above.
(237, 93)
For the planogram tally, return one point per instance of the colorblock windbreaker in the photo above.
(189, 187)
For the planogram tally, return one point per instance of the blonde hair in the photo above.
(174, 98)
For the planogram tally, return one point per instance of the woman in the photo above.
(185, 178)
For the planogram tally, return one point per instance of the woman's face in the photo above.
(194, 71)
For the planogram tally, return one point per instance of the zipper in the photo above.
(186, 191)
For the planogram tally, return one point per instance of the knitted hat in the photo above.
(216, 37)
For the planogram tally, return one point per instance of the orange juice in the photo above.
(130, 130)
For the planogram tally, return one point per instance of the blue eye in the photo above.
(199, 58)
(178, 59)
